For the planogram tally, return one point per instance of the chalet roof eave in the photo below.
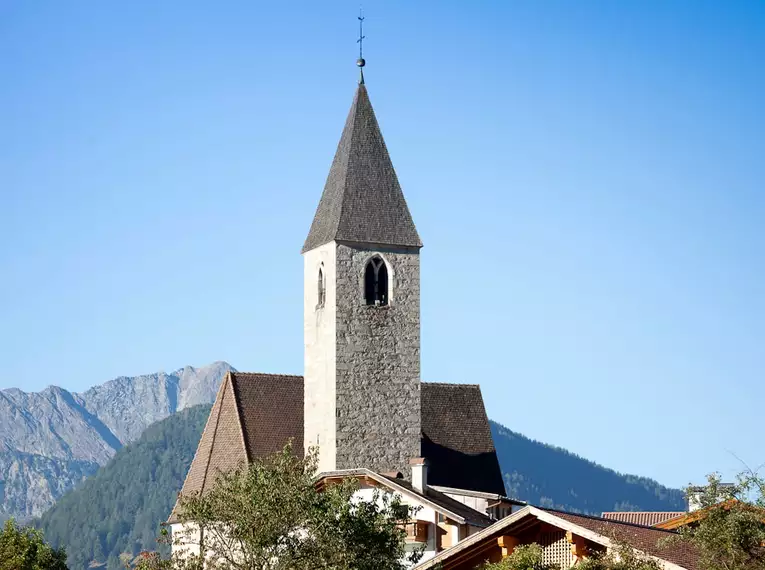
(389, 483)
(541, 515)
(479, 494)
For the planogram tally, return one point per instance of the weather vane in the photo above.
(360, 62)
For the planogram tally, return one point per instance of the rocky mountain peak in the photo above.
(46, 434)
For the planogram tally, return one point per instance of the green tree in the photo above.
(619, 557)
(24, 548)
(153, 561)
(729, 530)
(270, 515)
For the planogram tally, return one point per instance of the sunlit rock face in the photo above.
(53, 439)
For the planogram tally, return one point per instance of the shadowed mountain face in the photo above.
(51, 440)
(549, 476)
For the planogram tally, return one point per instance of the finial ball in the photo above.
(360, 62)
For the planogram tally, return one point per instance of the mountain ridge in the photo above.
(42, 431)
(596, 484)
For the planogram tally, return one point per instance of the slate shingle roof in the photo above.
(362, 200)
(645, 518)
(456, 438)
(257, 414)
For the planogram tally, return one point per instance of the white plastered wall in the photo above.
(424, 513)
(320, 354)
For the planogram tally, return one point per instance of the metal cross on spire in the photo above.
(360, 62)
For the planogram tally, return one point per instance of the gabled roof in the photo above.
(221, 446)
(456, 438)
(645, 518)
(647, 540)
(362, 200)
(271, 407)
(257, 414)
(437, 500)
(253, 415)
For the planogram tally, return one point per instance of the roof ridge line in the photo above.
(215, 432)
(605, 520)
(641, 512)
(269, 374)
(173, 511)
(242, 435)
(344, 184)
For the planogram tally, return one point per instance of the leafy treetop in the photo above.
(24, 548)
(270, 515)
(729, 531)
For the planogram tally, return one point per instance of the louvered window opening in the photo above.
(557, 549)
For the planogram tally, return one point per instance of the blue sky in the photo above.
(587, 178)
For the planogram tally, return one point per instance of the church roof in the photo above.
(362, 200)
(257, 414)
(253, 415)
(456, 438)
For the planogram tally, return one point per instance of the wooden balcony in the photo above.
(416, 532)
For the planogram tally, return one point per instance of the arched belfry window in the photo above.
(376, 282)
(322, 289)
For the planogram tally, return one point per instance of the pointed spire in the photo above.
(362, 200)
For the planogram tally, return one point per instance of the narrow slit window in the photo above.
(376, 282)
(322, 289)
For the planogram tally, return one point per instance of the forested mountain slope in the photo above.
(550, 476)
(119, 509)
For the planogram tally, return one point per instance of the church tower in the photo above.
(362, 309)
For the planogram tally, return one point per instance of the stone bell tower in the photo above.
(362, 309)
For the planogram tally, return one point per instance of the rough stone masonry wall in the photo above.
(377, 363)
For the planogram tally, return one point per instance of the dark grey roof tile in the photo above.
(362, 200)
(456, 438)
